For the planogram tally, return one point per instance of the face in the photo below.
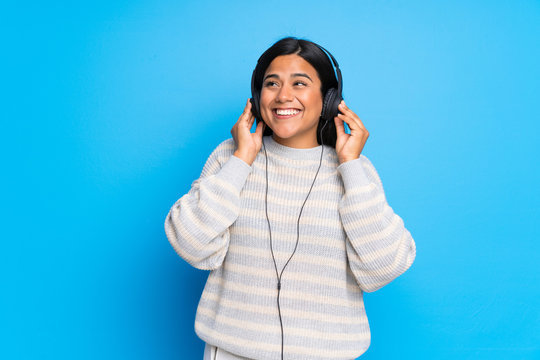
(291, 101)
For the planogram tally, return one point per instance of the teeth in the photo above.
(287, 112)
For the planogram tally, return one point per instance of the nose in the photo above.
(285, 94)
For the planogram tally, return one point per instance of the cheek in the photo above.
(265, 101)
(314, 103)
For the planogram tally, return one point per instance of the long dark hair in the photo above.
(310, 52)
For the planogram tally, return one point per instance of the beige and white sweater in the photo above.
(351, 242)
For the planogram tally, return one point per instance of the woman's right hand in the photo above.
(247, 144)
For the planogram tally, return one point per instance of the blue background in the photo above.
(110, 109)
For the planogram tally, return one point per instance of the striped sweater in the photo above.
(351, 242)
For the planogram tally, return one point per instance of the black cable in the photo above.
(279, 275)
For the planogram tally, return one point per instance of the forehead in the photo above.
(290, 64)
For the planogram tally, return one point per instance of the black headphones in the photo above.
(331, 100)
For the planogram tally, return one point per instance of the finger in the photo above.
(346, 118)
(250, 121)
(357, 129)
(259, 129)
(354, 125)
(352, 116)
(247, 108)
(340, 128)
(246, 114)
(347, 111)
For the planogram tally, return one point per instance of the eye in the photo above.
(270, 83)
(300, 83)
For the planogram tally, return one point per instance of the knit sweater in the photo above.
(350, 242)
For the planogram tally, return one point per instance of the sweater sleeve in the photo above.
(379, 247)
(197, 225)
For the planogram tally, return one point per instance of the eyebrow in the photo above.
(292, 75)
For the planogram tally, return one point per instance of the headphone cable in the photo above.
(279, 275)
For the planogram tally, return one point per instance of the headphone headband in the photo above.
(336, 66)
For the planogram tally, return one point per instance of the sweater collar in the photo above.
(291, 153)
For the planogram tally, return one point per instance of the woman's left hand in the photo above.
(349, 146)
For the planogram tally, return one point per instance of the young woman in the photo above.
(292, 220)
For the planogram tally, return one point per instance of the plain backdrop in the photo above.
(110, 108)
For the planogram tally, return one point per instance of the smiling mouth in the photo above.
(285, 113)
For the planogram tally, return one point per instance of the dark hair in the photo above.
(314, 55)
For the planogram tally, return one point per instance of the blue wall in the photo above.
(109, 110)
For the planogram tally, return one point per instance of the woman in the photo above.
(291, 219)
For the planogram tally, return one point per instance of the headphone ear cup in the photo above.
(255, 98)
(330, 104)
(254, 109)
